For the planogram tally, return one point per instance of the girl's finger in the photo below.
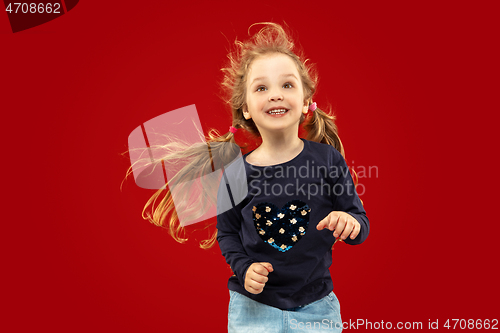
(254, 290)
(356, 230)
(261, 270)
(261, 280)
(349, 227)
(334, 220)
(267, 266)
(323, 223)
(340, 226)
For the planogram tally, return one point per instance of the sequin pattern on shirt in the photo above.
(281, 228)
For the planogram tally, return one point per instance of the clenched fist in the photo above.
(256, 277)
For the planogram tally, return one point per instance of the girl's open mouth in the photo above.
(276, 112)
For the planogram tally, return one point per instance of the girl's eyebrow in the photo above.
(282, 75)
(289, 75)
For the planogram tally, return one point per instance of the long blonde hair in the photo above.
(320, 127)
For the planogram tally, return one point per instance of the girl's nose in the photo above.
(275, 97)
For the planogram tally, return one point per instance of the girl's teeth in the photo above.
(277, 111)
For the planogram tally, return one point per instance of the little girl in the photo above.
(274, 239)
(300, 197)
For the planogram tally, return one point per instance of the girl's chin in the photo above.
(275, 128)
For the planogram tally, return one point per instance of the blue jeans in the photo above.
(248, 316)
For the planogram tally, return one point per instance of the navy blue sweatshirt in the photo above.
(270, 214)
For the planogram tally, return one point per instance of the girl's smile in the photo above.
(277, 111)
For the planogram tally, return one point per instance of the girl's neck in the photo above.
(277, 149)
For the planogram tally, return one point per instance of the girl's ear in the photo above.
(305, 108)
(246, 114)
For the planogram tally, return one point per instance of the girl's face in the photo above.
(274, 96)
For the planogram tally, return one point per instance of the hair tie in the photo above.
(313, 106)
(233, 129)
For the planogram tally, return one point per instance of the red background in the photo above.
(414, 86)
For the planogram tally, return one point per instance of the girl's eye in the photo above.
(287, 85)
(261, 88)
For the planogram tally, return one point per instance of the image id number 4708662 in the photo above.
(471, 324)
(33, 8)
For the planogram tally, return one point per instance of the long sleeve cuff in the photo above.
(232, 249)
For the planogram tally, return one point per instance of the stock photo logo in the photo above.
(169, 148)
(26, 15)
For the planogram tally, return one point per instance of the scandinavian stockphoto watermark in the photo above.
(309, 179)
(365, 324)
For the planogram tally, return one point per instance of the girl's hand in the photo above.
(256, 277)
(341, 223)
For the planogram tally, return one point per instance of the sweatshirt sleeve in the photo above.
(228, 235)
(346, 199)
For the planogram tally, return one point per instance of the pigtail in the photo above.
(161, 210)
(321, 128)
